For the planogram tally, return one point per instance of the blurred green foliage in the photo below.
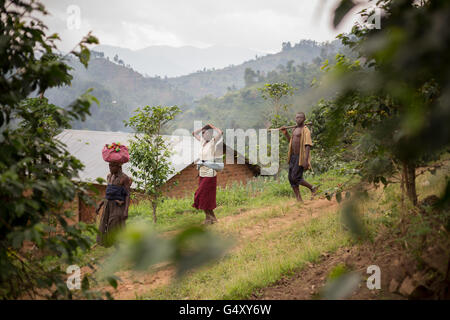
(391, 108)
(36, 171)
(140, 247)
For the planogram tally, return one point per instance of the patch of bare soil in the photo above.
(134, 284)
(296, 212)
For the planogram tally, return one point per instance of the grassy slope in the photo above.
(261, 213)
(274, 236)
(261, 260)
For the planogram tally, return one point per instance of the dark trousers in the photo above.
(295, 171)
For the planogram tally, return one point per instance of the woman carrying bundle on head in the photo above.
(205, 196)
(117, 197)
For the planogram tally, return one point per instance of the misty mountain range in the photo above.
(176, 61)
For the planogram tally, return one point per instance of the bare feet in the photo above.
(210, 218)
(207, 222)
(314, 192)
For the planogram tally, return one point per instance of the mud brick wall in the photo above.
(86, 213)
(186, 182)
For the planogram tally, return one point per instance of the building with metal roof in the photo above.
(87, 146)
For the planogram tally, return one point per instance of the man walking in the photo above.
(299, 157)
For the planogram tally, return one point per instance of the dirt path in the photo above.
(308, 283)
(135, 284)
(295, 213)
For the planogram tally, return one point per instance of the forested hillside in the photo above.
(119, 90)
(245, 108)
(217, 82)
(210, 95)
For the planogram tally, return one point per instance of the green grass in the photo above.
(337, 271)
(174, 213)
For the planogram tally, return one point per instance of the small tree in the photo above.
(278, 116)
(275, 92)
(149, 154)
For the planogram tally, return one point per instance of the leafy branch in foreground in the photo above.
(36, 170)
(393, 107)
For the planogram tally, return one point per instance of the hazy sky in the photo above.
(256, 24)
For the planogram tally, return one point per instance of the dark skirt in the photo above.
(112, 221)
(205, 196)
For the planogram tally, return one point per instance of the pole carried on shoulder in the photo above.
(288, 127)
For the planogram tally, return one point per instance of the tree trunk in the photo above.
(409, 178)
(154, 211)
(402, 213)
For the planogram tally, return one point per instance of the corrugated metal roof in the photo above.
(87, 146)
